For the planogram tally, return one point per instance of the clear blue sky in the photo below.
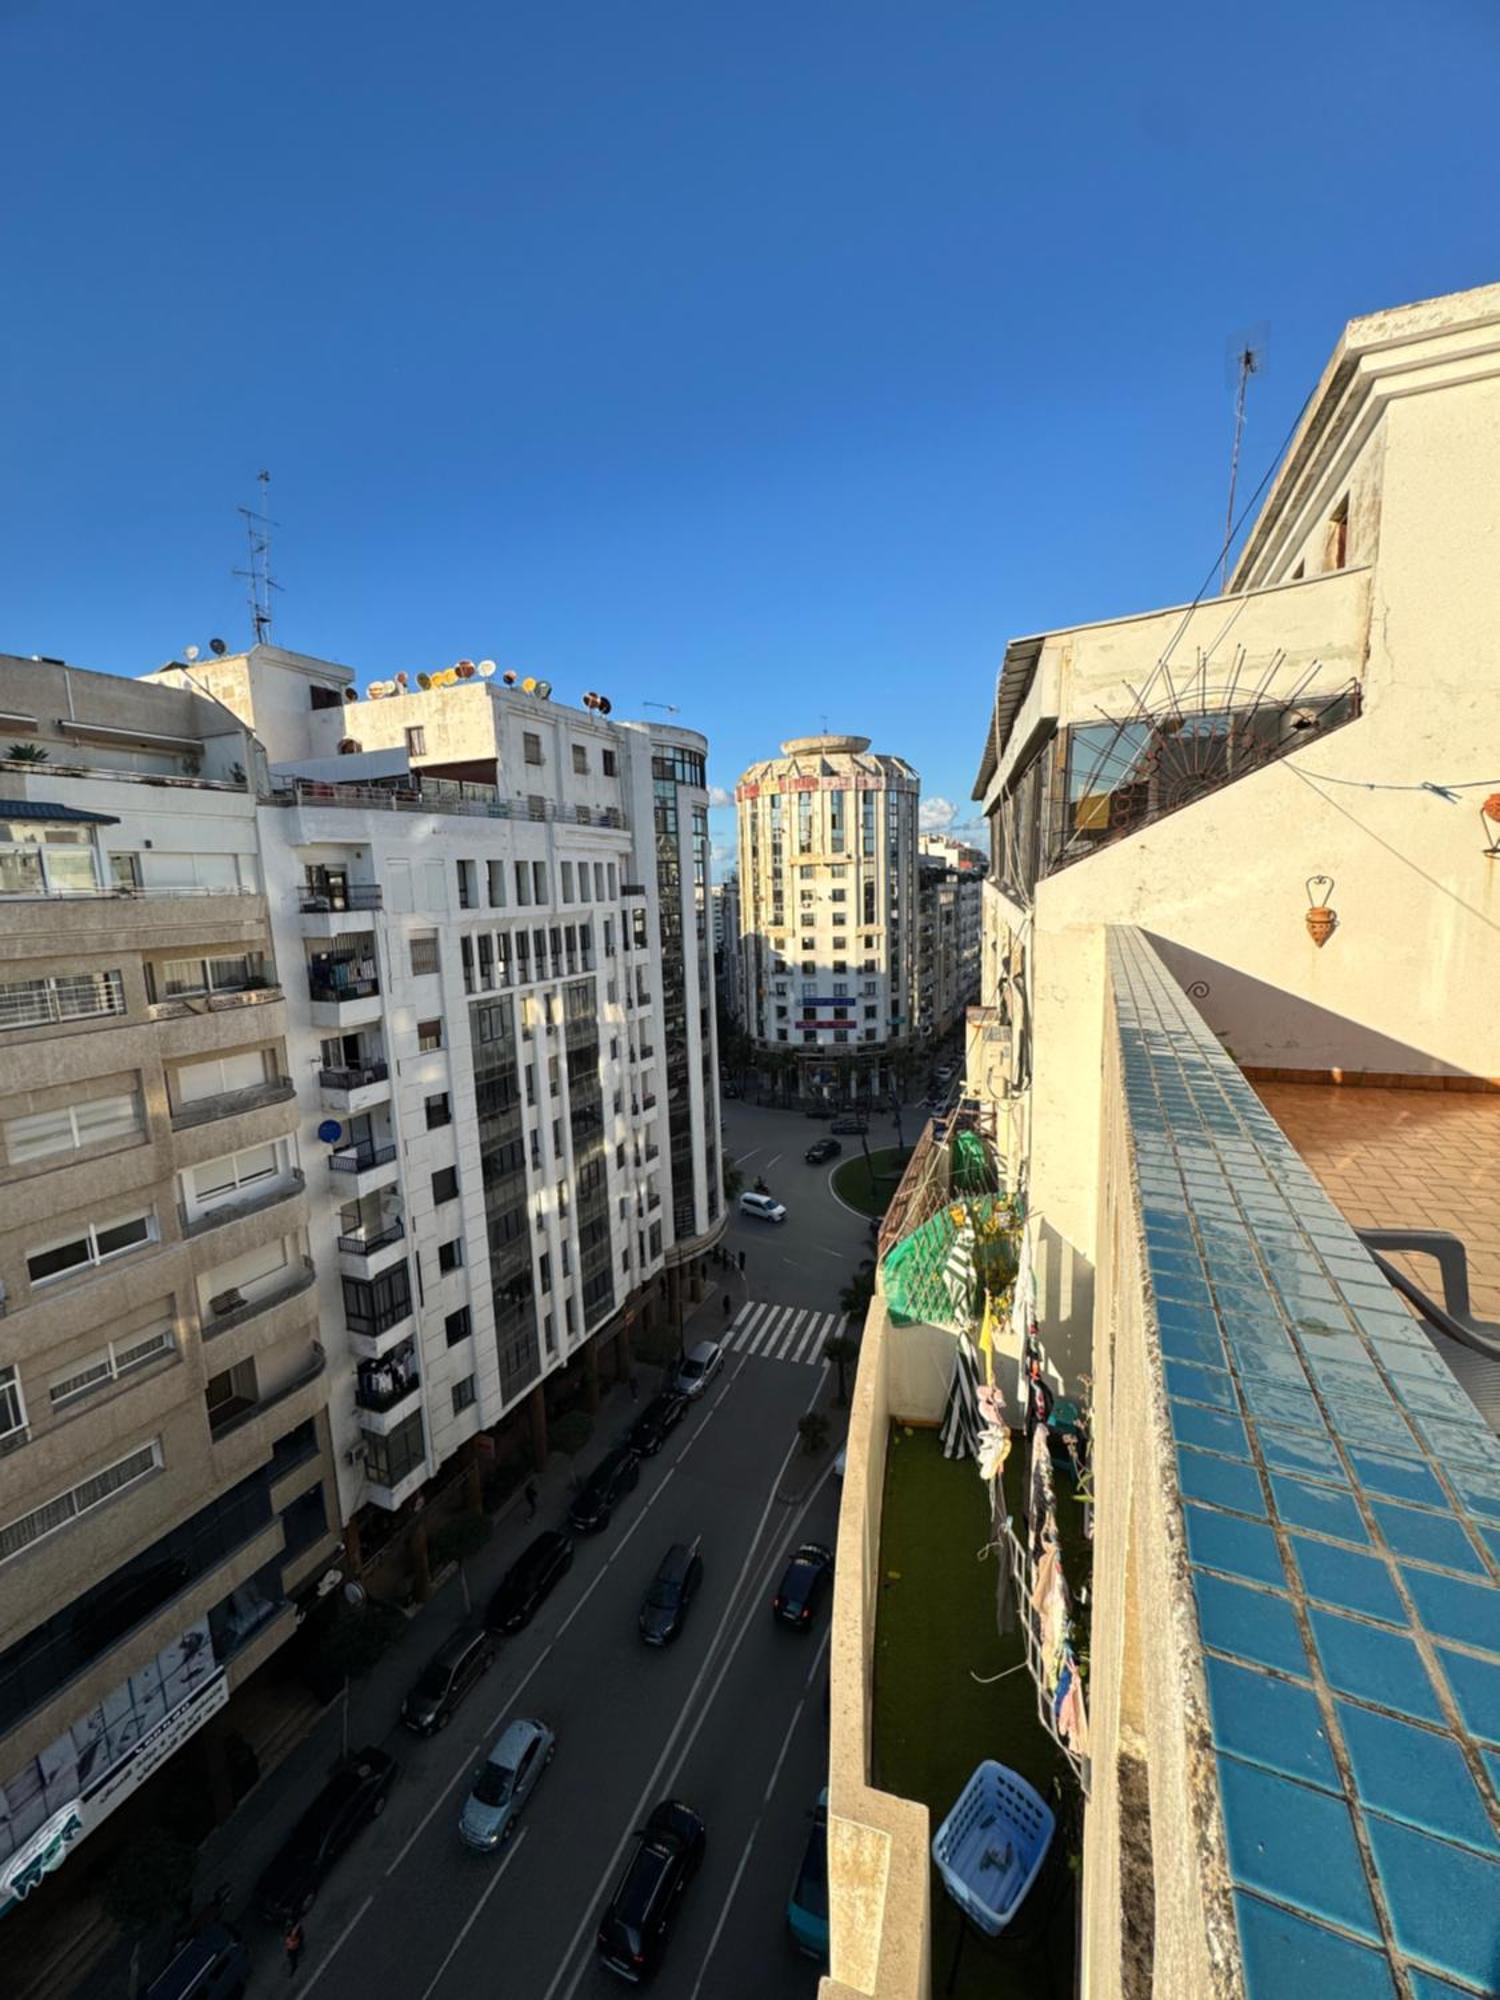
(777, 361)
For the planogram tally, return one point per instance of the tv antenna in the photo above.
(258, 526)
(666, 707)
(1247, 357)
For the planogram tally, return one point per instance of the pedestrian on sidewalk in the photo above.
(292, 1944)
(742, 1260)
(728, 1305)
(531, 1499)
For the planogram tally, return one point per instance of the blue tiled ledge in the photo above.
(1341, 1510)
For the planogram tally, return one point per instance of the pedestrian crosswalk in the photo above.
(784, 1333)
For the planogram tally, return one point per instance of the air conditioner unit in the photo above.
(355, 1455)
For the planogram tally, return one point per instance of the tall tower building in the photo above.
(828, 888)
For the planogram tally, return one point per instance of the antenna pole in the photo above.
(258, 526)
(1248, 363)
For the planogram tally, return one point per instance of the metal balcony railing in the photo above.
(360, 1245)
(356, 1159)
(342, 989)
(354, 1077)
(232, 1416)
(356, 896)
(380, 1389)
(288, 1184)
(230, 1102)
(238, 1309)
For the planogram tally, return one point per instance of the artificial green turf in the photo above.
(869, 1189)
(935, 1630)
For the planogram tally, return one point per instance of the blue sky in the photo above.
(777, 362)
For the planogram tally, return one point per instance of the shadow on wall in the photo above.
(1064, 1303)
(1265, 1025)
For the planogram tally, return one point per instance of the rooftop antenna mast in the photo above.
(666, 707)
(1247, 357)
(258, 526)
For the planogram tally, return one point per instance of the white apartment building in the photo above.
(828, 885)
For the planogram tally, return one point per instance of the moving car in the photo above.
(214, 1965)
(616, 1474)
(821, 1150)
(664, 1613)
(353, 1796)
(504, 1782)
(764, 1205)
(656, 1422)
(807, 1906)
(638, 1922)
(697, 1369)
(528, 1582)
(447, 1678)
(804, 1585)
(819, 1111)
(849, 1126)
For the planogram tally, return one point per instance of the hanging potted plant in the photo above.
(1322, 919)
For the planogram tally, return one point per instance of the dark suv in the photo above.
(606, 1486)
(665, 1610)
(656, 1422)
(528, 1582)
(668, 1854)
(353, 1796)
(446, 1679)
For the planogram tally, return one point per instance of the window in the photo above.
(463, 1395)
(495, 870)
(531, 747)
(416, 742)
(75, 996)
(869, 1013)
(468, 885)
(580, 760)
(429, 1036)
(840, 989)
(152, 1340)
(1336, 544)
(567, 881)
(609, 761)
(544, 1272)
(781, 1032)
(451, 1255)
(439, 1111)
(445, 1185)
(424, 953)
(870, 986)
(71, 1128)
(390, 1459)
(457, 1326)
(92, 1492)
(539, 881)
(12, 1408)
(869, 910)
(183, 978)
(94, 1245)
(220, 1180)
(40, 860)
(523, 882)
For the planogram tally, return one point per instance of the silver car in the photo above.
(504, 1782)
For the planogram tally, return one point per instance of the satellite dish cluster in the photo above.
(466, 670)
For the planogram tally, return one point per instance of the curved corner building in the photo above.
(828, 888)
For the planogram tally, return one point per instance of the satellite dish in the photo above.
(330, 1131)
(351, 694)
(348, 747)
(486, 669)
(424, 681)
(354, 1593)
(464, 669)
(218, 648)
(528, 686)
(509, 677)
(190, 653)
(401, 680)
(544, 690)
(604, 704)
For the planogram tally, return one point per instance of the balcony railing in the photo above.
(357, 896)
(282, 1189)
(233, 1415)
(354, 1078)
(238, 1309)
(183, 1005)
(380, 1389)
(357, 1159)
(341, 989)
(370, 1325)
(648, 1100)
(228, 1103)
(410, 799)
(360, 1245)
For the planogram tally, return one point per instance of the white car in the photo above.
(698, 1368)
(504, 1782)
(763, 1205)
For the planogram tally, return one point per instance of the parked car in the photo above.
(697, 1369)
(353, 1796)
(529, 1581)
(848, 1127)
(821, 1150)
(504, 1782)
(804, 1585)
(667, 1855)
(656, 1422)
(819, 1111)
(807, 1906)
(616, 1474)
(675, 1585)
(446, 1679)
(214, 1965)
(763, 1205)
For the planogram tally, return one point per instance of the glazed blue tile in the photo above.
(1295, 1844)
(1275, 1364)
(1491, 1539)
(1200, 1385)
(1192, 1319)
(1403, 1359)
(1478, 1486)
(1427, 1986)
(1251, 1624)
(1222, 1482)
(1439, 1399)
(1186, 1291)
(1321, 1509)
(1351, 1378)
(1402, 1478)
(1444, 1902)
(1476, 1689)
(1241, 1548)
(1370, 1427)
(1299, 1451)
(1452, 1609)
(1459, 1444)
(1271, 1722)
(1287, 1958)
(1433, 1538)
(1329, 1343)
(1280, 1403)
(1178, 1344)
(1492, 1765)
(1376, 1665)
(1416, 1775)
(1212, 1430)
(1345, 1578)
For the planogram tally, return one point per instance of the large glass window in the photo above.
(72, 1127)
(75, 996)
(93, 1244)
(390, 1459)
(41, 860)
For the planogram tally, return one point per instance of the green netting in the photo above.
(972, 1172)
(936, 1274)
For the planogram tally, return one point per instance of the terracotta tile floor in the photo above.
(1405, 1159)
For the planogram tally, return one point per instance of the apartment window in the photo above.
(222, 1179)
(92, 1492)
(486, 952)
(604, 890)
(567, 881)
(390, 1459)
(531, 745)
(869, 908)
(808, 965)
(870, 1035)
(451, 1255)
(445, 1185)
(523, 882)
(869, 1013)
(610, 762)
(457, 1326)
(580, 760)
(549, 1335)
(495, 872)
(429, 1036)
(185, 978)
(78, 996)
(424, 953)
(439, 1111)
(1336, 546)
(539, 881)
(466, 963)
(463, 1395)
(809, 944)
(95, 1244)
(416, 742)
(12, 1408)
(781, 1013)
(46, 860)
(809, 1034)
(841, 944)
(781, 1032)
(839, 965)
(468, 885)
(840, 989)
(72, 1127)
(870, 986)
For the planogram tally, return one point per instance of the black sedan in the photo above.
(821, 1150)
(819, 1111)
(656, 1423)
(667, 1855)
(353, 1796)
(804, 1584)
(606, 1486)
(672, 1591)
(529, 1581)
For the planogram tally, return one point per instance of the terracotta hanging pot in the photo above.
(1321, 919)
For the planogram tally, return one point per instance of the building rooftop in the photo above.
(47, 809)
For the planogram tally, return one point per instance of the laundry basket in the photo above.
(990, 1847)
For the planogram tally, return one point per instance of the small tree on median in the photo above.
(841, 1351)
(813, 1431)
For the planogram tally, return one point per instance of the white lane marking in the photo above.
(840, 1254)
(767, 1328)
(812, 1342)
(743, 1337)
(337, 1945)
(739, 1321)
(510, 1855)
(783, 1346)
(772, 1161)
(638, 1522)
(786, 1741)
(724, 1913)
(739, 1158)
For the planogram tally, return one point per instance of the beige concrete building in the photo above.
(828, 912)
(1236, 1064)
